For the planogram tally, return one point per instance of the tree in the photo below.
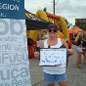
(80, 25)
(68, 24)
(45, 9)
(84, 27)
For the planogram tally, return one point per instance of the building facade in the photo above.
(81, 22)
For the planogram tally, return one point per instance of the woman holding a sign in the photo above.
(55, 69)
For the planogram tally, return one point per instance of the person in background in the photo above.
(79, 42)
(56, 73)
(39, 39)
(84, 45)
(46, 35)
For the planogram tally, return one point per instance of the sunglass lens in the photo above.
(53, 30)
(50, 30)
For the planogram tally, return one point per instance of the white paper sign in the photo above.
(53, 57)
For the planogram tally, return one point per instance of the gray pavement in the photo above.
(76, 77)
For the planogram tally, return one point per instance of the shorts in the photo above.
(79, 49)
(38, 49)
(52, 78)
(83, 47)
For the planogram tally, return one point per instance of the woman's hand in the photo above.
(36, 55)
(83, 40)
(70, 51)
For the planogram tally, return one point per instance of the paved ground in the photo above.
(76, 77)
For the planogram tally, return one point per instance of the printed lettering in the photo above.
(12, 27)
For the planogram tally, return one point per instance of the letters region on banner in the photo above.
(14, 64)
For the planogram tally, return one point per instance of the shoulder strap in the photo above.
(45, 43)
(63, 46)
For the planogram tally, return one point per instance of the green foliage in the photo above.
(68, 24)
(81, 26)
(45, 9)
(84, 27)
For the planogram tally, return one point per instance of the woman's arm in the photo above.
(64, 43)
(42, 44)
(83, 40)
(36, 54)
(70, 51)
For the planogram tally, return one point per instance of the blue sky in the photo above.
(69, 9)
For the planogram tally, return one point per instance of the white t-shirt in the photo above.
(56, 69)
(38, 43)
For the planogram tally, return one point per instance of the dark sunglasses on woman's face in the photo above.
(52, 30)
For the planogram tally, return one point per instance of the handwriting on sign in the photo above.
(51, 57)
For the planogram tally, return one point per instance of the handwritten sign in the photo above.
(53, 57)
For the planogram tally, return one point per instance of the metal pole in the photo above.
(53, 6)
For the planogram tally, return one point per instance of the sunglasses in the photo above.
(50, 30)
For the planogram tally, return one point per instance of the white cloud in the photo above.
(69, 9)
(34, 5)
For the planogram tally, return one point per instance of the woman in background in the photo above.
(84, 45)
(79, 42)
